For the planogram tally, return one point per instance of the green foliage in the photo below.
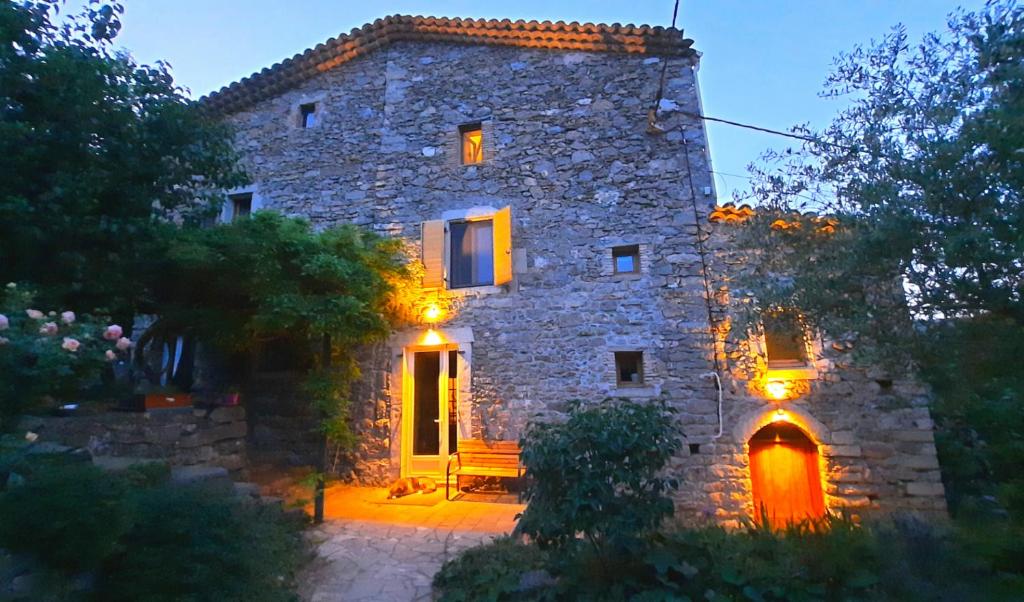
(490, 573)
(55, 355)
(599, 473)
(97, 155)
(72, 517)
(191, 543)
(832, 560)
(923, 171)
(144, 538)
(271, 278)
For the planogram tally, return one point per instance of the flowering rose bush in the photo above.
(44, 360)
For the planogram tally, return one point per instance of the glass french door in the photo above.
(430, 411)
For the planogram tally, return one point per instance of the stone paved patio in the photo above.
(370, 550)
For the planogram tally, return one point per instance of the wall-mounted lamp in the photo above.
(776, 389)
(431, 338)
(432, 313)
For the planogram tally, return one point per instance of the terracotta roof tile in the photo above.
(730, 213)
(588, 37)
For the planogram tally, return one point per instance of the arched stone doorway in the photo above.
(784, 475)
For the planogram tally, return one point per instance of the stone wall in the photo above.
(182, 437)
(567, 146)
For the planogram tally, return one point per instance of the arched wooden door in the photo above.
(784, 475)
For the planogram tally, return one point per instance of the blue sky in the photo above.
(764, 61)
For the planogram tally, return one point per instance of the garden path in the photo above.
(370, 549)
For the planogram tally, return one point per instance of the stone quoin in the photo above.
(567, 220)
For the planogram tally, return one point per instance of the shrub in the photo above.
(599, 474)
(71, 517)
(144, 538)
(196, 543)
(495, 572)
(49, 354)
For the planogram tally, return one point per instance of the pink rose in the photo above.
(49, 329)
(123, 344)
(35, 314)
(68, 317)
(4, 322)
(113, 332)
(110, 355)
(70, 344)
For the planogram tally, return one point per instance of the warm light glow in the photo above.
(776, 389)
(432, 337)
(432, 313)
(472, 146)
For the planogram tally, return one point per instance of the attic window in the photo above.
(626, 259)
(784, 340)
(241, 206)
(472, 140)
(629, 368)
(307, 115)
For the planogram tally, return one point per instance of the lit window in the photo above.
(629, 368)
(784, 340)
(307, 115)
(472, 253)
(626, 259)
(241, 206)
(472, 136)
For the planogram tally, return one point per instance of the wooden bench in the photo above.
(483, 459)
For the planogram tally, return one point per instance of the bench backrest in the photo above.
(499, 454)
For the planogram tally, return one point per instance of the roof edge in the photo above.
(586, 37)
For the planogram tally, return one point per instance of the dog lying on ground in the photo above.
(411, 485)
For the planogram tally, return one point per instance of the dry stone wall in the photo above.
(182, 437)
(567, 147)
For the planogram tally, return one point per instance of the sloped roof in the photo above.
(587, 37)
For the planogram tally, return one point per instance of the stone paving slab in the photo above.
(369, 552)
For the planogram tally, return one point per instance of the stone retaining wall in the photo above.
(182, 437)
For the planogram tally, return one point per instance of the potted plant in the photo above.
(160, 397)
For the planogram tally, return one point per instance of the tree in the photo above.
(915, 238)
(923, 171)
(271, 279)
(98, 154)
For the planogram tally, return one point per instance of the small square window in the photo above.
(629, 368)
(241, 206)
(307, 115)
(626, 259)
(784, 340)
(472, 137)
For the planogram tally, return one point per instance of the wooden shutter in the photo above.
(503, 246)
(432, 248)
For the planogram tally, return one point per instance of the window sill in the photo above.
(633, 391)
(475, 291)
(617, 276)
(792, 373)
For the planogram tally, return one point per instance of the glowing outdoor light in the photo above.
(776, 389)
(432, 313)
(431, 338)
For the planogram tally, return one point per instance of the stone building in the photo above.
(555, 180)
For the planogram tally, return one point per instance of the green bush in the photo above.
(832, 559)
(142, 537)
(492, 572)
(195, 543)
(70, 517)
(599, 473)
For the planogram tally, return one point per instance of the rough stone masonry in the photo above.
(567, 146)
